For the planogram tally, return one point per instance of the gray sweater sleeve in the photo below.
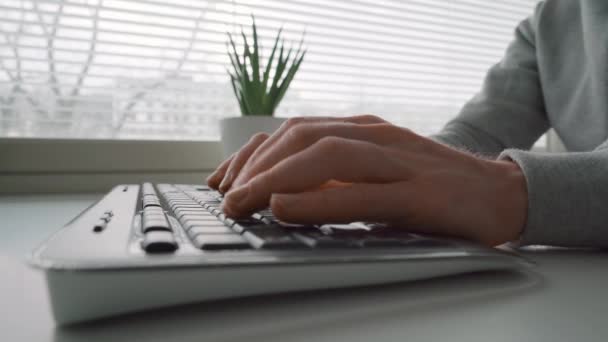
(509, 110)
(567, 192)
(567, 197)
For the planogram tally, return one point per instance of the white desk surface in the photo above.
(563, 299)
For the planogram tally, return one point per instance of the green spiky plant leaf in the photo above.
(256, 92)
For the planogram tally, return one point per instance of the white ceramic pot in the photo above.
(236, 131)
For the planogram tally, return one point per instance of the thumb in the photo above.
(341, 204)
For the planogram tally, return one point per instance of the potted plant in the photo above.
(258, 89)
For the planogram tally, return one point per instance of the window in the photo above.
(152, 69)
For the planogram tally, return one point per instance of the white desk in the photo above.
(564, 299)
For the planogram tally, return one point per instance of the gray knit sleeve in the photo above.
(567, 197)
(509, 111)
(567, 192)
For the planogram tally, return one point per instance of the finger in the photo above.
(213, 181)
(329, 159)
(343, 204)
(300, 121)
(240, 159)
(397, 204)
(303, 136)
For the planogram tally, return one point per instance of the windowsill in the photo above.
(29, 165)
(78, 165)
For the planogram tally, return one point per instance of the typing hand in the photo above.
(362, 168)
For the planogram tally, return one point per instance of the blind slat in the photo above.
(350, 32)
(476, 55)
(154, 69)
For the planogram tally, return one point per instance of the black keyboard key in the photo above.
(269, 218)
(159, 242)
(265, 212)
(271, 237)
(374, 241)
(320, 240)
(241, 225)
(262, 218)
(220, 241)
(295, 226)
(209, 229)
(428, 243)
(383, 235)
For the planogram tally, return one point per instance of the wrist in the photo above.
(511, 199)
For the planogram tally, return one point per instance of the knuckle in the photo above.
(292, 122)
(387, 128)
(239, 155)
(370, 118)
(229, 160)
(402, 132)
(398, 133)
(330, 145)
(411, 138)
(389, 133)
(299, 134)
(259, 137)
(406, 131)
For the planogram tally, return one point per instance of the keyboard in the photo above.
(148, 246)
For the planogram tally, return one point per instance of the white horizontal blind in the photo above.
(156, 69)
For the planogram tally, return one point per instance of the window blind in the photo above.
(156, 69)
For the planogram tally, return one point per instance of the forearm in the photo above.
(462, 136)
(487, 128)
